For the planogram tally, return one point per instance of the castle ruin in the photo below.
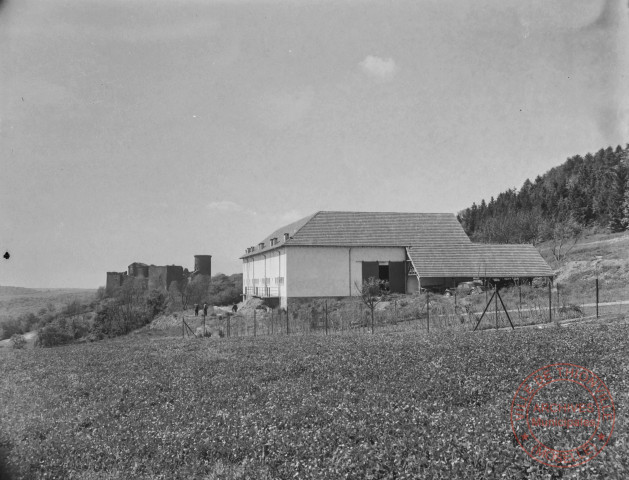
(159, 277)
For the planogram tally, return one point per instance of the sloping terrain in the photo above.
(605, 256)
(15, 301)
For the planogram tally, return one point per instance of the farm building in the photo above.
(329, 254)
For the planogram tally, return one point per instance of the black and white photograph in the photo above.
(314, 239)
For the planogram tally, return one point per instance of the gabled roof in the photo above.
(391, 229)
(479, 260)
(436, 243)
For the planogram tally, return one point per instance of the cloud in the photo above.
(382, 69)
(228, 206)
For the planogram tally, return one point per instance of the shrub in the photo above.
(53, 335)
(156, 302)
(18, 341)
(11, 327)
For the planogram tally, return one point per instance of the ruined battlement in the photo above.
(158, 277)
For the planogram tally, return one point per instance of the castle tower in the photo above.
(203, 264)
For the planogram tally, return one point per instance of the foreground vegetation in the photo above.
(391, 405)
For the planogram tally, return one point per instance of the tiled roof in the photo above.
(522, 260)
(438, 245)
(370, 229)
(479, 260)
(291, 229)
(444, 261)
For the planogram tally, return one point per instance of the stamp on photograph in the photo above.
(562, 415)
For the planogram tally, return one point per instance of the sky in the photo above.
(156, 130)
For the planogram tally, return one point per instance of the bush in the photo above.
(156, 302)
(18, 341)
(11, 327)
(53, 335)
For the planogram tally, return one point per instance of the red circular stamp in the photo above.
(562, 415)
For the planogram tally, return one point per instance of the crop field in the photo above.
(406, 404)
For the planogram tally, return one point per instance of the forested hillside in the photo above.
(586, 192)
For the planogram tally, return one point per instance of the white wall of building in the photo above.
(333, 271)
(297, 271)
(317, 271)
(266, 270)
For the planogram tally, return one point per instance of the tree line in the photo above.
(585, 192)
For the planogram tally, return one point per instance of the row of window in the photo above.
(273, 241)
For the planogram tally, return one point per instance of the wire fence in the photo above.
(517, 307)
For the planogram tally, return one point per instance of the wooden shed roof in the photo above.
(479, 260)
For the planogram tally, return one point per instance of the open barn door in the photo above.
(370, 269)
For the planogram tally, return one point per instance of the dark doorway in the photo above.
(383, 272)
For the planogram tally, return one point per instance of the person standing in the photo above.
(235, 308)
(196, 309)
(205, 309)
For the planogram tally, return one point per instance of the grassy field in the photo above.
(389, 405)
(15, 301)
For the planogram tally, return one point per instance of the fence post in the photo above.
(271, 322)
(550, 301)
(596, 297)
(255, 324)
(204, 325)
(287, 328)
(520, 291)
(326, 317)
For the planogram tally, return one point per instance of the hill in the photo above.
(589, 192)
(16, 301)
(602, 256)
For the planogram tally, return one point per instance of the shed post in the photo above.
(496, 302)
(427, 312)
